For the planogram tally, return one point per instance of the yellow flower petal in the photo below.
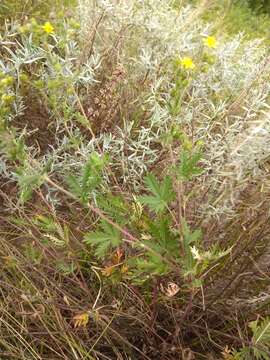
(210, 41)
(48, 28)
(187, 63)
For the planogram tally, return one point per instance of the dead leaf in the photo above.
(188, 354)
(171, 290)
(227, 353)
(117, 256)
(65, 298)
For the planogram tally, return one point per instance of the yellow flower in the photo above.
(187, 63)
(210, 41)
(48, 28)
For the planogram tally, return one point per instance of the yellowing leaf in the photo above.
(117, 256)
(80, 320)
(107, 271)
(124, 269)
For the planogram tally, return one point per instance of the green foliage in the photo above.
(260, 342)
(162, 193)
(61, 96)
(45, 223)
(260, 5)
(12, 148)
(241, 17)
(28, 180)
(151, 264)
(261, 338)
(66, 268)
(161, 233)
(33, 253)
(244, 354)
(188, 167)
(163, 243)
(181, 83)
(90, 178)
(104, 240)
(16, 9)
(190, 238)
(114, 206)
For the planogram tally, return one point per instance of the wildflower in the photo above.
(187, 63)
(210, 41)
(48, 28)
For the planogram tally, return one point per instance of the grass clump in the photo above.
(134, 186)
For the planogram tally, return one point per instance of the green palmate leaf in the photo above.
(152, 264)
(114, 206)
(105, 240)
(188, 167)
(163, 244)
(162, 236)
(162, 193)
